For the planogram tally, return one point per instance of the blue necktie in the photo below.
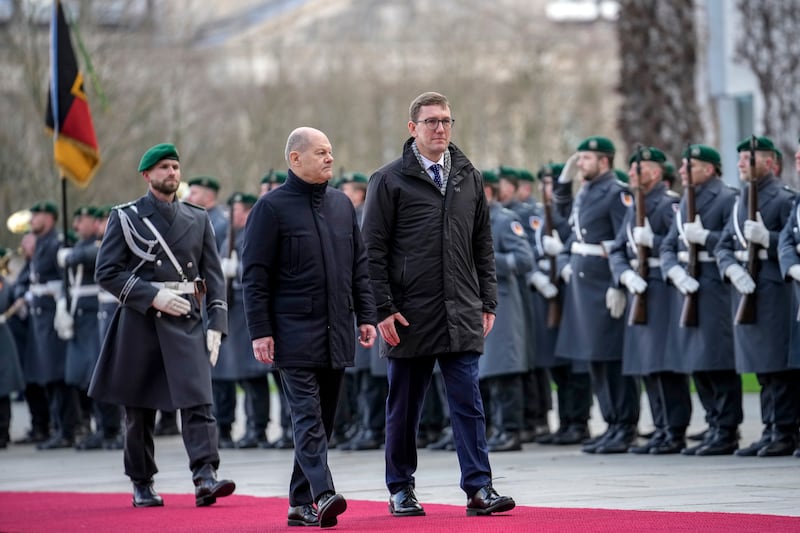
(437, 176)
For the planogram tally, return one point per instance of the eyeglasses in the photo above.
(433, 123)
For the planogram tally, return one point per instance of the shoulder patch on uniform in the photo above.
(190, 204)
(516, 227)
(787, 188)
(734, 189)
(123, 206)
(672, 194)
(626, 198)
(534, 222)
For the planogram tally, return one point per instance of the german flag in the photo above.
(68, 118)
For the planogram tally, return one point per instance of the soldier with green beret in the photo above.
(762, 346)
(157, 153)
(707, 348)
(203, 191)
(265, 183)
(45, 206)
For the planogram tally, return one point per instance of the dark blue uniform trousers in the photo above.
(409, 380)
(312, 395)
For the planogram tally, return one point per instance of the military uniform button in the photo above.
(580, 274)
(158, 262)
(189, 264)
(158, 314)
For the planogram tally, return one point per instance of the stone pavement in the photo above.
(542, 476)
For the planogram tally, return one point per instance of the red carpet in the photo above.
(69, 512)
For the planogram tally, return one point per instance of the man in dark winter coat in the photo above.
(160, 260)
(427, 229)
(304, 276)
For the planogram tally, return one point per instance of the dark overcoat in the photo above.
(151, 359)
(84, 346)
(788, 256)
(10, 369)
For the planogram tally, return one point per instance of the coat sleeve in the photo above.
(514, 256)
(363, 299)
(618, 254)
(668, 251)
(379, 220)
(725, 248)
(211, 271)
(787, 244)
(483, 249)
(258, 264)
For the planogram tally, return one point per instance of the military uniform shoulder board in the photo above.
(621, 183)
(626, 198)
(787, 188)
(123, 206)
(672, 194)
(516, 227)
(190, 204)
(534, 222)
(735, 189)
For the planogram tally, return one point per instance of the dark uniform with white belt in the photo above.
(592, 327)
(706, 350)
(644, 353)
(159, 258)
(763, 346)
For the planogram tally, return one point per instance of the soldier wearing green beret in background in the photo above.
(264, 184)
(592, 326)
(159, 259)
(762, 346)
(789, 255)
(203, 191)
(706, 349)
(644, 355)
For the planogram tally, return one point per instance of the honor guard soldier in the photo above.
(762, 345)
(644, 354)
(592, 326)
(203, 191)
(159, 259)
(706, 346)
(789, 255)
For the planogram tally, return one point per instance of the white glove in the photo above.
(794, 272)
(62, 255)
(541, 282)
(230, 265)
(740, 279)
(570, 170)
(682, 281)
(633, 281)
(2, 319)
(566, 273)
(213, 340)
(171, 302)
(695, 232)
(552, 244)
(643, 235)
(63, 322)
(755, 231)
(615, 302)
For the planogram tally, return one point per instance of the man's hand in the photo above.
(740, 279)
(755, 231)
(62, 255)
(213, 340)
(488, 323)
(366, 335)
(566, 273)
(388, 331)
(643, 235)
(695, 232)
(570, 170)
(633, 281)
(264, 349)
(171, 302)
(541, 282)
(794, 272)
(615, 302)
(682, 281)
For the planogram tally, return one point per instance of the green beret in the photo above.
(242, 198)
(551, 169)
(205, 181)
(267, 178)
(649, 153)
(353, 177)
(88, 210)
(490, 176)
(3, 251)
(763, 144)
(597, 144)
(157, 153)
(504, 171)
(701, 152)
(280, 177)
(669, 172)
(526, 175)
(45, 207)
(621, 175)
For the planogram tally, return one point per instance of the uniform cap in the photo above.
(551, 169)
(88, 210)
(649, 153)
(156, 153)
(44, 207)
(279, 177)
(763, 144)
(505, 171)
(242, 198)
(526, 175)
(597, 144)
(621, 175)
(701, 152)
(205, 181)
(490, 176)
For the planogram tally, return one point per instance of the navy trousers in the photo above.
(409, 380)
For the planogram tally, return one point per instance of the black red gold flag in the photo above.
(68, 117)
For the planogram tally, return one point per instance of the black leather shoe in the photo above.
(723, 443)
(778, 448)
(366, 440)
(622, 439)
(303, 515)
(486, 501)
(145, 496)
(284, 443)
(574, 434)
(92, 442)
(207, 488)
(34, 436)
(252, 439)
(329, 506)
(507, 441)
(166, 428)
(55, 443)
(445, 442)
(669, 446)
(701, 436)
(656, 439)
(404, 502)
(114, 443)
(590, 445)
(797, 452)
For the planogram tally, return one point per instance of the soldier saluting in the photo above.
(159, 258)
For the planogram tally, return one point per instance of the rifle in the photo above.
(638, 311)
(231, 249)
(746, 313)
(554, 303)
(689, 310)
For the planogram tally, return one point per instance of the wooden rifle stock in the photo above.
(689, 310)
(231, 248)
(638, 311)
(554, 303)
(746, 312)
